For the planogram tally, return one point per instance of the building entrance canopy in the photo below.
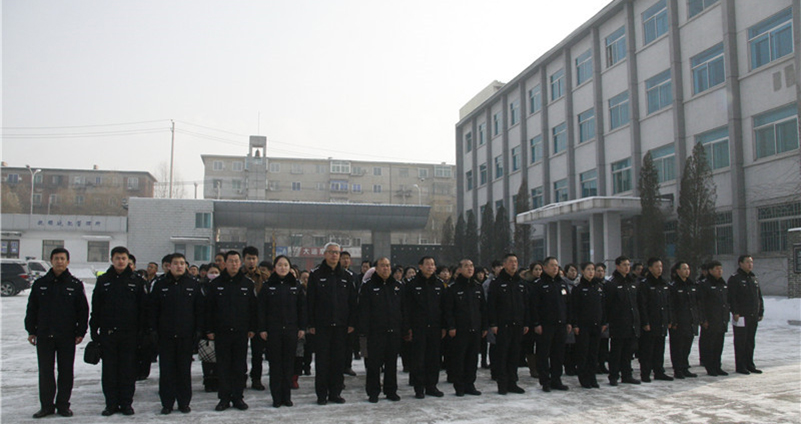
(581, 209)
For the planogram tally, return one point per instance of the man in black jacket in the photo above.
(231, 319)
(624, 321)
(176, 315)
(119, 315)
(56, 321)
(714, 303)
(589, 321)
(686, 317)
(250, 264)
(745, 299)
(508, 310)
(381, 318)
(331, 299)
(653, 297)
(550, 310)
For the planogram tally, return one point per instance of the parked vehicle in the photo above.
(15, 277)
(38, 268)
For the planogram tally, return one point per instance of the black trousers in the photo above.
(652, 353)
(49, 351)
(507, 353)
(620, 351)
(551, 353)
(145, 352)
(257, 346)
(283, 345)
(463, 358)
(586, 352)
(681, 343)
(711, 344)
(382, 350)
(744, 343)
(119, 368)
(232, 364)
(424, 357)
(175, 371)
(332, 352)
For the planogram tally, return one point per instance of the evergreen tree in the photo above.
(448, 250)
(650, 233)
(501, 234)
(459, 237)
(471, 238)
(522, 241)
(696, 211)
(486, 239)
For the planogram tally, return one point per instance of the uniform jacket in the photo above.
(550, 301)
(685, 312)
(282, 304)
(654, 302)
(714, 302)
(587, 304)
(381, 306)
(423, 298)
(508, 302)
(257, 277)
(331, 297)
(176, 306)
(622, 310)
(231, 305)
(464, 308)
(745, 296)
(119, 303)
(57, 307)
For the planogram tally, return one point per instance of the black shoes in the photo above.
(663, 377)
(109, 411)
(373, 399)
(559, 386)
(612, 382)
(45, 412)
(419, 393)
(322, 401)
(223, 405)
(754, 371)
(433, 391)
(546, 388)
(460, 393)
(630, 380)
(277, 404)
(350, 372)
(514, 388)
(721, 372)
(712, 373)
(393, 397)
(64, 412)
(185, 409)
(741, 371)
(241, 405)
(689, 374)
(472, 391)
(337, 399)
(645, 378)
(166, 411)
(256, 385)
(286, 403)
(127, 410)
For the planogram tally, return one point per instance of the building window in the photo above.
(498, 204)
(655, 21)
(515, 158)
(514, 112)
(619, 110)
(377, 171)
(665, 162)
(776, 132)
(12, 178)
(482, 131)
(560, 192)
(536, 149)
(586, 122)
(774, 221)
(482, 174)
(236, 184)
(357, 170)
(771, 38)
(377, 188)
(37, 199)
(295, 185)
(320, 241)
(616, 46)
(499, 166)
(468, 143)
(202, 253)
(275, 167)
(78, 180)
(468, 176)
(697, 6)
(557, 84)
(538, 248)
(422, 172)
(724, 234)
(53, 200)
(296, 168)
(79, 200)
(621, 176)
(340, 167)
(589, 183)
(716, 144)
(707, 69)
(442, 189)
(496, 124)
(274, 185)
(238, 166)
(441, 171)
(584, 67)
(339, 186)
(96, 251)
(321, 186)
(203, 220)
(38, 178)
(356, 188)
(559, 138)
(217, 165)
(133, 183)
(49, 245)
(658, 90)
(57, 179)
(535, 99)
(320, 169)
(403, 172)
(671, 238)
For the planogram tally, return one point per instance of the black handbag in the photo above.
(92, 354)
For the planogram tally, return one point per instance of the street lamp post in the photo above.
(33, 175)
(419, 195)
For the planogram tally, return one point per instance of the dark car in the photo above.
(15, 278)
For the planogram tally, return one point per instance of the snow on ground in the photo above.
(772, 397)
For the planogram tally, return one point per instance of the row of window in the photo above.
(78, 200)
(132, 183)
(342, 167)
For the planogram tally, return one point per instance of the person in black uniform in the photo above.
(209, 368)
(282, 321)
(588, 319)
(119, 315)
(176, 313)
(653, 297)
(423, 297)
(624, 321)
(55, 320)
(381, 318)
(508, 311)
(332, 317)
(714, 303)
(745, 299)
(465, 314)
(686, 317)
(250, 264)
(550, 310)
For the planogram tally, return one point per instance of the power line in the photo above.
(85, 126)
(87, 134)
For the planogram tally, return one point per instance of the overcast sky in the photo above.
(97, 82)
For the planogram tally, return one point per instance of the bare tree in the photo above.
(161, 189)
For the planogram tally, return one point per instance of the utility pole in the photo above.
(172, 154)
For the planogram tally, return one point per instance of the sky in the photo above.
(89, 83)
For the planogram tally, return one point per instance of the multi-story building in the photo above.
(72, 191)
(640, 76)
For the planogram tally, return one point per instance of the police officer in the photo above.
(331, 300)
(653, 297)
(714, 303)
(176, 314)
(745, 298)
(686, 317)
(624, 321)
(353, 337)
(250, 264)
(508, 311)
(381, 318)
(119, 314)
(56, 321)
(282, 322)
(231, 319)
(588, 319)
(465, 314)
(424, 295)
(550, 309)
